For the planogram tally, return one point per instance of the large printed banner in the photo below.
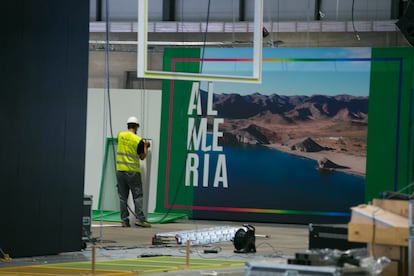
(291, 149)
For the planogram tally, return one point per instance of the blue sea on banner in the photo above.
(265, 178)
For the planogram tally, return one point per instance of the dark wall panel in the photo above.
(406, 23)
(44, 73)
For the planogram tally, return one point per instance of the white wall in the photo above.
(126, 10)
(146, 106)
(196, 10)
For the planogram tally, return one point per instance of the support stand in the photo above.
(410, 236)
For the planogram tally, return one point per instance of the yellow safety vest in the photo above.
(127, 158)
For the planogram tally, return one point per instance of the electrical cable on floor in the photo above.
(119, 247)
(277, 252)
(201, 252)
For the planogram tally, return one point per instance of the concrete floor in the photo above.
(275, 243)
(271, 239)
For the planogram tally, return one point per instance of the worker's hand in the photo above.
(147, 144)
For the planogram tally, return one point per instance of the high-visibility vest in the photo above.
(127, 158)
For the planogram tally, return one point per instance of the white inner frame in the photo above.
(142, 57)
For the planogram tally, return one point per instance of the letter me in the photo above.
(197, 138)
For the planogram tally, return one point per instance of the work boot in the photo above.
(125, 223)
(143, 223)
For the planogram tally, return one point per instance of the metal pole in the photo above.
(187, 253)
(93, 265)
(410, 236)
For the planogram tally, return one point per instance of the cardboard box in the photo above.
(384, 226)
(372, 224)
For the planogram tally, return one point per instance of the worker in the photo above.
(131, 149)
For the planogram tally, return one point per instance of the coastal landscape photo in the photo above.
(332, 130)
(299, 138)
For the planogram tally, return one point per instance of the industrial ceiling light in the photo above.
(244, 239)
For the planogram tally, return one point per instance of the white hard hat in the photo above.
(132, 120)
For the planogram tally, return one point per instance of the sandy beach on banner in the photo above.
(356, 164)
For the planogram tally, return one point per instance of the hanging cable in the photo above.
(107, 102)
(353, 21)
(174, 198)
(202, 62)
(196, 123)
(177, 191)
(106, 99)
(308, 23)
(278, 41)
(270, 19)
(107, 75)
(233, 37)
(205, 36)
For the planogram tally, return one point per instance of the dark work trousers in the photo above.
(130, 181)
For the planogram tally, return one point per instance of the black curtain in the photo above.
(44, 78)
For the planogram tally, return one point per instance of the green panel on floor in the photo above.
(164, 217)
(42, 271)
(113, 216)
(104, 215)
(153, 264)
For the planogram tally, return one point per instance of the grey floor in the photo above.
(275, 243)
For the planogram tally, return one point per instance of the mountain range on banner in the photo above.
(291, 108)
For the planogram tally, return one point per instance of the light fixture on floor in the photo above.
(198, 236)
(244, 239)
